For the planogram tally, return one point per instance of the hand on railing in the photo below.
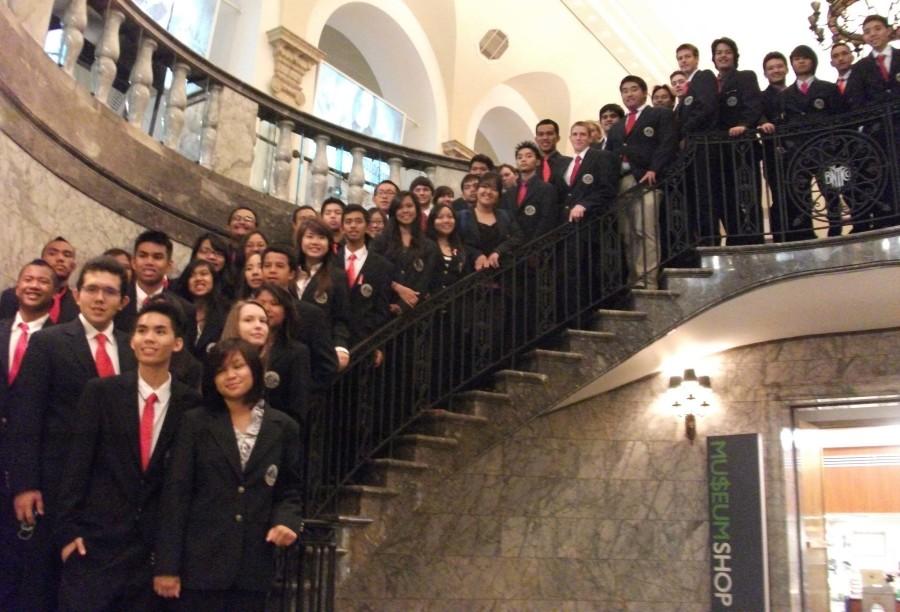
(167, 586)
(281, 536)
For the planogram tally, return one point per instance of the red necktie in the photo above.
(54, 308)
(884, 71)
(575, 166)
(629, 123)
(18, 353)
(520, 195)
(102, 360)
(146, 432)
(351, 270)
(804, 88)
(545, 171)
(842, 84)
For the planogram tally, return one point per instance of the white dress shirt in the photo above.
(567, 177)
(887, 53)
(361, 255)
(33, 326)
(163, 395)
(303, 278)
(140, 296)
(112, 349)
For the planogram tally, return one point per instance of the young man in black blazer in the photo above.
(775, 68)
(368, 276)
(59, 363)
(737, 199)
(645, 143)
(60, 254)
(533, 202)
(554, 163)
(591, 178)
(112, 479)
(34, 290)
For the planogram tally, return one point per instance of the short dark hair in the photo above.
(528, 144)
(491, 179)
(356, 208)
(547, 122)
(387, 182)
(632, 78)
(104, 264)
(421, 180)
(56, 239)
(724, 40)
(154, 237)
(774, 55)
(806, 52)
(281, 249)
(299, 209)
(237, 208)
(440, 192)
(611, 108)
(168, 308)
(880, 18)
(332, 200)
(42, 264)
(692, 48)
(676, 73)
(117, 252)
(467, 179)
(665, 87)
(840, 43)
(216, 358)
(484, 159)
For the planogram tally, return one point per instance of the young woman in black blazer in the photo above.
(232, 492)
(323, 283)
(456, 259)
(201, 287)
(489, 230)
(413, 256)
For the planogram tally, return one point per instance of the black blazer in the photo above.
(740, 100)
(217, 514)
(105, 496)
(821, 101)
(509, 230)
(335, 303)
(411, 269)
(698, 111)
(539, 211)
(867, 86)
(597, 182)
(288, 379)
(651, 144)
(127, 317)
(449, 270)
(370, 295)
(771, 104)
(314, 332)
(558, 164)
(43, 412)
(9, 305)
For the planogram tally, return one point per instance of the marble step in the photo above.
(602, 347)
(481, 403)
(685, 279)
(508, 381)
(446, 424)
(420, 448)
(392, 473)
(364, 500)
(628, 325)
(661, 305)
(554, 363)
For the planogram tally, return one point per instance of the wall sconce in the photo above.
(690, 398)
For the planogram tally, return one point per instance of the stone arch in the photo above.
(502, 118)
(401, 59)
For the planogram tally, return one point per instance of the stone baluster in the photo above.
(319, 171)
(430, 172)
(103, 72)
(210, 126)
(140, 81)
(74, 22)
(357, 179)
(396, 166)
(281, 175)
(175, 105)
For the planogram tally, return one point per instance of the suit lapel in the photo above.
(5, 335)
(268, 434)
(127, 362)
(173, 414)
(128, 416)
(223, 432)
(80, 347)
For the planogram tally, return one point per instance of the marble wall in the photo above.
(36, 206)
(602, 506)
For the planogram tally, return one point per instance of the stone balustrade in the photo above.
(167, 82)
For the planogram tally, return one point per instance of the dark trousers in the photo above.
(232, 600)
(108, 581)
(736, 189)
(29, 568)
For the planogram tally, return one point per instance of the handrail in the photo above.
(487, 320)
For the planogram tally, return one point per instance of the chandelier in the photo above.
(844, 18)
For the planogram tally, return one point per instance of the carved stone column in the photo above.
(319, 171)
(175, 104)
(357, 179)
(430, 172)
(141, 80)
(236, 136)
(293, 59)
(396, 166)
(209, 132)
(74, 22)
(281, 174)
(34, 15)
(106, 55)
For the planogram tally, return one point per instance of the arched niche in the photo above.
(502, 118)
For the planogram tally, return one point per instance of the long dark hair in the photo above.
(225, 278)
(216, 303)
(216, 359)
(391, 237)
(318, 228)
(453, 239)
(289, 329)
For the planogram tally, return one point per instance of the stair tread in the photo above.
(399, 463)
(523, 375)
(589, 333)
(621, 314)
(349, 520)
(425, 439)
(655, 293)
(482, 394)
(570, 355)
(370, 489)
(689, 272)
(443, 414)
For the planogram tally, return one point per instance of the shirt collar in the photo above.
(163, 392)
(91, 332)
(807, 80)
(33, 326)
(360, 252)
(140, 295)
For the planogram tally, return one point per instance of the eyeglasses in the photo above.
(110, 292)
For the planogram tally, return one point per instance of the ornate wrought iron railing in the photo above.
(488, 320)
(306, 572)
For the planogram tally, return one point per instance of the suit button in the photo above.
(238, 518)
(241, 489)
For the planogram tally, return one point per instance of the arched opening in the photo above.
(500, 130)
(374, 46)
